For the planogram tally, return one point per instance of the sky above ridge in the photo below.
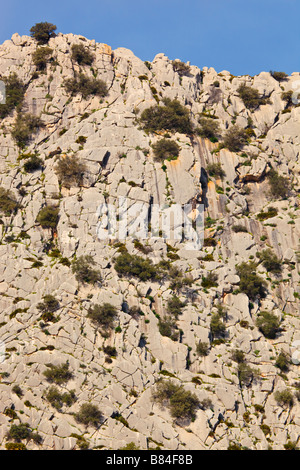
(243, 37)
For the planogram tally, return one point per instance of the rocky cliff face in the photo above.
(238, 363)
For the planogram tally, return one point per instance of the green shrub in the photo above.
(42, 32)
(269, 214)
(287, 96)
(246, 374)
(70, 171)
(283, 361)
(279, 76)
(17, 390)
(25, 125)
(58, 374)
(250, 283)
(89, 415)
(268, 324)
(103, 315)
(251, 97)
(270, 261)
(166, 149)
(171, 116)
(181, 403)
(57, 399)
(48, 217)
(202, 349)
(110, 351)
(210, 280)
(180, 67)
(34, 163)
(235, 138)
(167, 327)
(208, 129)
(82, 55)
(41, 57)
(279, 185)
(239, 228)
(19, 432)
(130, 446)
(238, 356)
(215, 170)
(284, 398)
(14, 91)
(84, 273)
(86, 86)
(175, 306)
(136, 266)
(8, 204)
(49, 304)
(15, 446)
(217, 326)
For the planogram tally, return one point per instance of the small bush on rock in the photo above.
(166, 149)
(84, 273)
(42, 32)
(25, 125)
(14, 90)
(171, 116)
(89, 415)
(8, 204)
(82, 55)
(86, 86)
(58, 374)
(235, 138)
(41, 57)
(70, 171)
(103, 315)
(268, 324)
(48, 217)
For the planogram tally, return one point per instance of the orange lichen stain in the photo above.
(211, 185)
(105, 49)
(174, 162)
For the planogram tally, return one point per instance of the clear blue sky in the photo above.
(242, 36)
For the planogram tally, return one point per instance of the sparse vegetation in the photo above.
(268, 324)
(251, 97)
(8, 203)
(270, 261)
(136, 266)
(279, 185)
(58, 399)
(103, 315)
(166, 149)
(15, 90)
(215, 170)
(82, 55)
(41, 57)
(89, 415)
(70, 171)
(34, 163)
(83, 270)
(181, 403)
(86, 86)
(235, 138)
(209, 129)
(171, 116)
(58, 374)
(25, 125)
(250, 283)
(279, 76)
(180, 67)
(48, 217)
